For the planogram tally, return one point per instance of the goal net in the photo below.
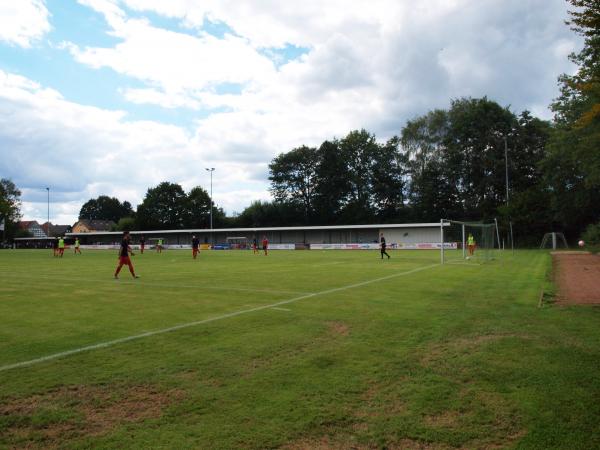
(554, 241)
(476, 242)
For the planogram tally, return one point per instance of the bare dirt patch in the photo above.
(338, 328)
(50, 419)
(577, 276)
(337, 443)
(441, 351)
(446, 419)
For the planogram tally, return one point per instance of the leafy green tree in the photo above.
(198, 203)
(389, 169)
(293, 179)
(269, 214)
(359, 149)
(126, 224)
(105, 208)
(198, 206)
(10, 207)
(577, 109)
(572, 163)
(474, 161)
(164, 207)
(332, 183)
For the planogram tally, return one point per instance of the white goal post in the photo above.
(468, 241)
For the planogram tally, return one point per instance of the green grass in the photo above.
(453, 356)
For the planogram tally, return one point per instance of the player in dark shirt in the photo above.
(55, 246)
(255, 246)
(195, 245)
(383, 246)
(142, 244)
(124, 259)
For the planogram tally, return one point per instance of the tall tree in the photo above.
(164, 207)
(573, 160)
(269, 214)
(388, 180)
(475, 160)
(332, 183)
(433, 190)
(198, 206)
(105, 208)
(293, 179)
(10, 206)
(358, 149)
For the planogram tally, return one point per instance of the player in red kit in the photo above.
(195, 245)
(142, 244)
(265, 244)
(124, 259)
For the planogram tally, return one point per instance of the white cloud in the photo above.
(173, 61)
(23, 22)
(366, 61)
(368, 65)
(82, 152)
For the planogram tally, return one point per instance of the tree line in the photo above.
(447, 163)
(165, 206)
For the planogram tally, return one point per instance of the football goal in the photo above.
(469, 242)
(554, 241)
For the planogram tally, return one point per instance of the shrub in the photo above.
(591, 235)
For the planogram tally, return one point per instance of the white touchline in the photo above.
(200, 322)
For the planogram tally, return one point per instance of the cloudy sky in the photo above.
(114, 96)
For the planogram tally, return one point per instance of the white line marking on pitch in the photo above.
(280, 309)
(201, 322)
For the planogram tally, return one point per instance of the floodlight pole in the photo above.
(442, 240)
(464, 250)
(48, 232)
(211, 170)
(506, 166)
(497, 233)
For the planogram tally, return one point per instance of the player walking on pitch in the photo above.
(55, 246)
(195, 245)
(77, 250)
(61, 246)
(265, 245)
(254, 246)
(124, 253)
(471, 244)
(159, 245)
(142, 244)
(383, 246)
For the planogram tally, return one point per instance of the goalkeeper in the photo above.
(471, 244)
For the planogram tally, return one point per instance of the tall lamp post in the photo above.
(512, 239)
(48, 189)
(506, 167)
(211, 170)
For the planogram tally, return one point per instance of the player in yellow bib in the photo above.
(471, 244)
(61, 246)
(77, 250)
(159, 246)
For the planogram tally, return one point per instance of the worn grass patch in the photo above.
(50, 419)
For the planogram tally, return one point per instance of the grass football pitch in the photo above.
(300, 349)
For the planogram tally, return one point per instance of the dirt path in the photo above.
(577, 275)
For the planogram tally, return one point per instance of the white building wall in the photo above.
(411, 235)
